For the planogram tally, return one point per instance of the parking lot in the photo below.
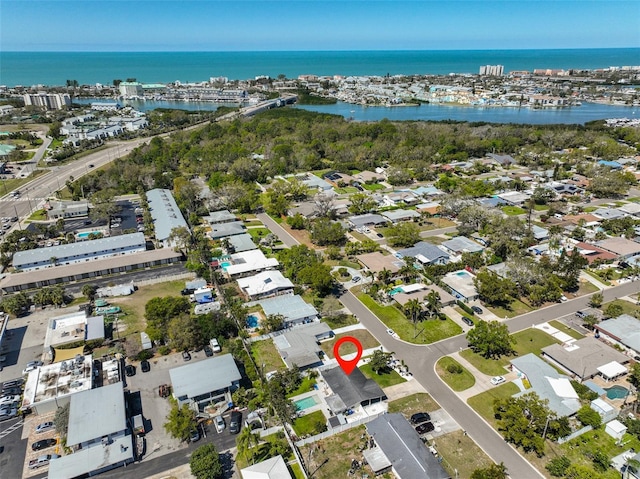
(144, 391)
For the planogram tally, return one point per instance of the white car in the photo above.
(220, 425)
(497, 380)
(9, 399)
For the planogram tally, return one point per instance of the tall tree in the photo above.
(491, 339)
(180, 421)
(205, 463)
(494, 471)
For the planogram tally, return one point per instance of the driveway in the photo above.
(277, 230)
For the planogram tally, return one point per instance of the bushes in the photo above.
(164, 350)
(455, 368)
(144, 355)
(465, 308)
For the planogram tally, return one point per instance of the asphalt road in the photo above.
(278, 230)
(421, 361)
(13, 448)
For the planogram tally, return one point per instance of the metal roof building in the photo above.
(299, 346)
(404, 449)
(199, 380)
(624, 330)
(165, 213)
(273, 468)
(293, 308)
(81, 251)
(462, 244)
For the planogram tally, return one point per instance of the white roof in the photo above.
(274, 468)
(95, 413)
(563, 388)
(612, 369)
(616, 426)
(264, 282)
(412, 288)
(249, 261)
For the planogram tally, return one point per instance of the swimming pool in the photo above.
(86, 234)
(306, 403)
(617, 392)
(224, 265)
(252, 321)
(462, 273)
(396, 290)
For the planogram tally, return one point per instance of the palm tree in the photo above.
(413, 309)
(384, 276)
(433, 303)
(631, 466)
(247, 443)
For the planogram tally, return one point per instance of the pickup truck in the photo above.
(42, 461)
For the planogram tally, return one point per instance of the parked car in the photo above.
(235, 422)
(130, 370)
(220, 425)
(476, 309)
(9, 399)
(13, 383)
(8, 413)
(356, 279)
(32, 365)
(420, 417)
(194, 435)
(43, 444)
(145, 366)
(208, 351)
(11, 391)
(497, 380)
(467, 320)
(42, 461)
(425, 428)
(186, 356)
(44, 427)
(391, 332)
(187, 291)
(215, 346)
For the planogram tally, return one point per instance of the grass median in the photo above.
(454, 374)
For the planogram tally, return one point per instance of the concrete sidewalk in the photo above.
(483, 381)
(180, 472)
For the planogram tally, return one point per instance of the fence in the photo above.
(575, 434)
(337, 430)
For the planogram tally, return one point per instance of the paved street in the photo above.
(278, 230)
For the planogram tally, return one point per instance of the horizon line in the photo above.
(324, 51)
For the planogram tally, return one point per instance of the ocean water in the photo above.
(54, 68)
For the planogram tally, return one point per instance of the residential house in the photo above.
(399, 449)
(293, 308)
(240, 243)
(396, 216)
(210, 381)
(403, 198)
(247, 263)
(502, 160)
(432, 208)
(514, 198)
(265, 285)
(420, 292)
(272, 468)
(360, 221)
(539, 233)
(425, 253)
(461, 244)
(592, 253)
(98, 434)
(584, 358)
(624, 248)
(223, 230)
(218, 217)
(461, 285)
(67, 209)
(300, 347)
(547, 383)
(376, 262)
(609, 213)
(623, 331)
(350, 391)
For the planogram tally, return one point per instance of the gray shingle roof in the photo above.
(461, 244)
(403, 447)
(428, 250)
(624, 328)
(352, 389)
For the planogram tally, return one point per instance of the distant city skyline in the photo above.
(278, 25)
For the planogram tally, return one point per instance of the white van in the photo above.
(215, 346)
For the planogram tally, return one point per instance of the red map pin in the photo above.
(347, 365)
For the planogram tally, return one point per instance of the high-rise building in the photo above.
(48, 101)
(492, 70)
(131, 89)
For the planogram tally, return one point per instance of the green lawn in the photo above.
(38, 215)
(541, 207)
(362, 335)
(310, 424)
(265, 352)
(590, 209)
(597, 277)
(409, 405)
(263, 451)
(457, 382)
(425, 332)
(566, 329)
(527, 341)
(346, 190)
(373, 186)
(296, 470)
(586, 287)
(513, 210)
(384, 380)
(516, 308)
(339, 321)
(305, 387)
(483, 402)
(258, 233)
(627, 307)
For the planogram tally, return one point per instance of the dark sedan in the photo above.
(43, 444)
(208, 351)
(130, 370)
(420, 417)
(145, 366)
(425, 428)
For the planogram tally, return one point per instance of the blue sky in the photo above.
(239, 25)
